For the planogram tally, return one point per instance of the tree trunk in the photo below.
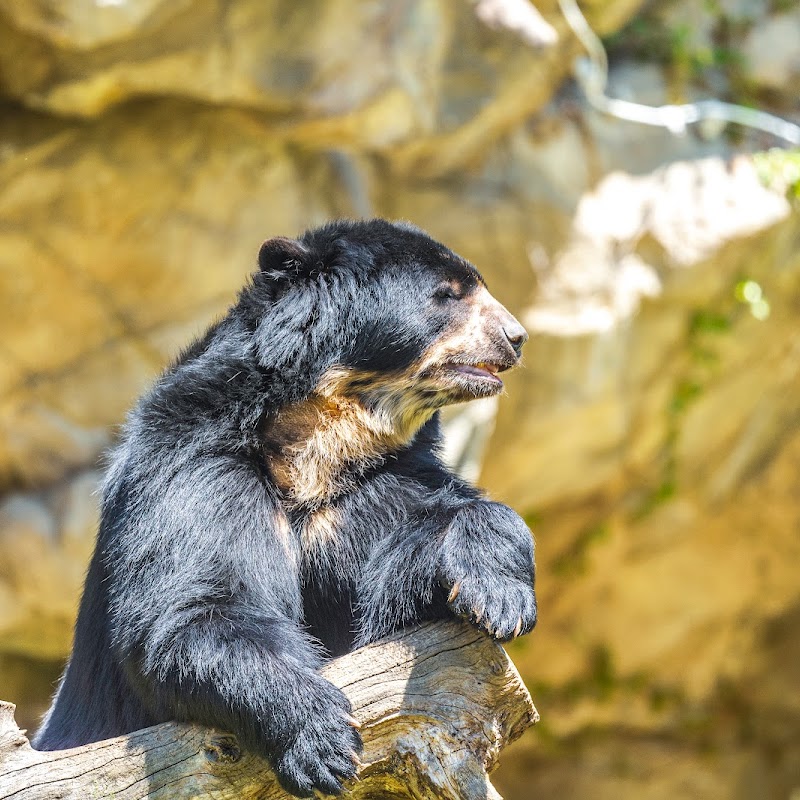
(436, 705)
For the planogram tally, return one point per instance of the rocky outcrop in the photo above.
(667, 657)
(422, 80)
(670, 311)
(652, 441)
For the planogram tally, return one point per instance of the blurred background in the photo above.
(147, 147)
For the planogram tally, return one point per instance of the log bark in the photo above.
(436, 705)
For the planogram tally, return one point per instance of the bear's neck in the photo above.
(319, 448)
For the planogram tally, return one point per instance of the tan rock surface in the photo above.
(46, 543)
(642, 351)
(655, 441)
(668, 647)
(423, 79)
(120, 246)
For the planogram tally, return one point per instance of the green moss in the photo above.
(542, 691)
(533, 519)
(662, 698)
(780, 169)
(574, 560)
(691, 59)
(706, 320)
(601, 668)
(704, 328)
(686, 392)
(665, 490)
(703, 356)
(547, 737)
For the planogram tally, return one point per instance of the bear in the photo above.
(278, 498)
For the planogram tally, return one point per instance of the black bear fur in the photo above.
(278, 498)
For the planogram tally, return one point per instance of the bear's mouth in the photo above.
(482, 373)
(483, 369)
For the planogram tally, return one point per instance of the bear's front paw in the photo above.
(503, 607)
(324, 752)
(486, 568)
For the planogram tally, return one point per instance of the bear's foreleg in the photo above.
(455, 555)
(253, 675)
(205, 617)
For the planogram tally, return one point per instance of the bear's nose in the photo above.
(516, 335)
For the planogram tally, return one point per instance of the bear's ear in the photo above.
(281, 257)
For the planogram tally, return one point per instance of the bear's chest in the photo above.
(331, 561)
(343, 533)
(319, 530)
(332, 542)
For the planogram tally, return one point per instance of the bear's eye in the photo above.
(446, 292)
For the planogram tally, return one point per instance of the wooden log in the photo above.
(436, 705)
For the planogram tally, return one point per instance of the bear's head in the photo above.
(382, 315)
(380, 309)
(384, 308)
(364, 330)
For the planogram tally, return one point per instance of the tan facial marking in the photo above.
(469, 333)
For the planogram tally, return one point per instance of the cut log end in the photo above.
(436, 706)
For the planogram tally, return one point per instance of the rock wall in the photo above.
(146, 149)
